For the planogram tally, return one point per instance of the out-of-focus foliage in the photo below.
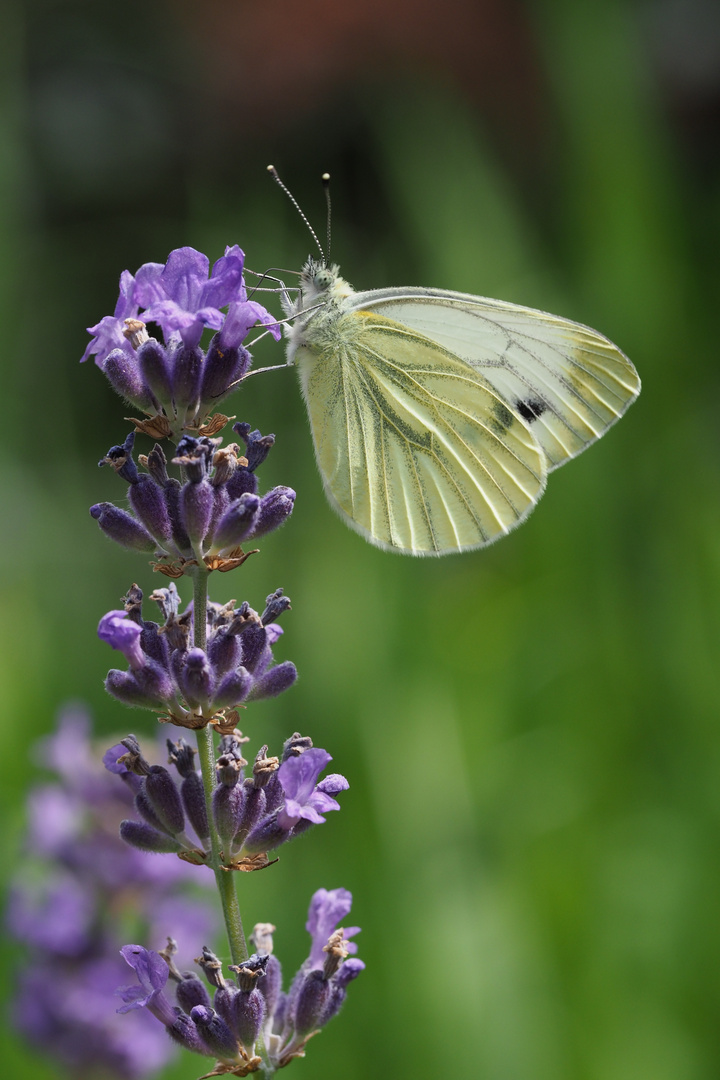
(532, 834)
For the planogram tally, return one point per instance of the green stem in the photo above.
(206, 751)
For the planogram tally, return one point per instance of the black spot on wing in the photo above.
(531, 409)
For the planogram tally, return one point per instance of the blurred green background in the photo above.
(532, 834)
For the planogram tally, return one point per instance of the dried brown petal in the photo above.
(214, 423)
(157, 427)
(251, 862)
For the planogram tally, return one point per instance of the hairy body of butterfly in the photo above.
(436, 416)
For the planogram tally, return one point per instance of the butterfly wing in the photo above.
(567, 382)
(417, 451)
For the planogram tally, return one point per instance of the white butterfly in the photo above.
(436, 416)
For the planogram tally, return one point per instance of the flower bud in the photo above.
(214, 1032)
(310, 1002)
(122, 371)
(123, 528)
(237, 523)
(275, 509)
(164, 798)
(155, 371)
(190, 992)
(142, 836)
(148, 501)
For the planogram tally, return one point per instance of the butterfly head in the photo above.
(320, 282)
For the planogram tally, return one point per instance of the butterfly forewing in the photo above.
(416, 449)
(566, 382)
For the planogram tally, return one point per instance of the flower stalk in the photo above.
(198, 667)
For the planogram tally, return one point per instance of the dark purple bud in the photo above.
(165, 799)
(123, 373)
(196, 678)
(192, 791)
(273, 682)
(147, 811)
(310, 1002)
(233, 689)
(224, 652)
(191, 992)
(196, 504)
(223, 366)
(155, 683)
(193, 797)
(275, 604)
(184, 1032)
(173, 492)
(214, 1032)
(268, 834)
(275, 508)
(249, 1016)
(227, 808)
(224, 1005)
(187, 367)
(142, 836)
(148, 501)
(124, 686)
(254, 647)
(252, 810)
(220, 505)
(123, 528)
(155, 371)
(237, 523)
(258, 446)
(154, 644)
(274, 794)
(242, 482)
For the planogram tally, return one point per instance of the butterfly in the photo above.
(436, 416)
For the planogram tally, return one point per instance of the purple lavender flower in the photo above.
(109, 332)
(174, 379)
(191, 684)
(252, 815)
(76, 883)
(327, 910)
(210, 515)
(304, 797)
(230, 1027)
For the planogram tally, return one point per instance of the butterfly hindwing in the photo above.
(567, 382)
(417, 450)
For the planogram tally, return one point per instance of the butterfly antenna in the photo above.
(326, 188)
(274, 173)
